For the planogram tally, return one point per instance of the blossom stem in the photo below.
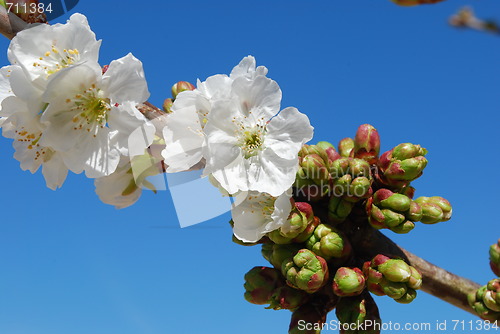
(10, 24)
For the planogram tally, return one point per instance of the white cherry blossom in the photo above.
(184, 126)
(20, 116)
(43, 50)
(249, 145)
(90, 116)
(256, 214)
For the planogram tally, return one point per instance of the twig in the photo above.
(465, 18)
(437, 281)
(10, 24)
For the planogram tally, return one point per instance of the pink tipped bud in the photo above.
(167, 105)
(346, 146)
(181, 86)
(367, 143)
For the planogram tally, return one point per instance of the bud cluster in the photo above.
(339, 193)
(394, 211)
(264, 285)
(486, 301)
(392, 277)
(354, 176)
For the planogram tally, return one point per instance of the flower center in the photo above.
(55, 60)
(31, 140)
(92, 110)
(251, 140)
(263, 203)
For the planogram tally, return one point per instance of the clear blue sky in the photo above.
(72, 265)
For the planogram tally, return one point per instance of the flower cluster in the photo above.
(63, 111)
(67, 113)
(232, 126)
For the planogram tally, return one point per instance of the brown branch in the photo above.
(465, 18)
(438, 282)
(10, 24)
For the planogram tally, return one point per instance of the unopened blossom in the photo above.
(255, 214)
(44, 50)
(184, 127)
(124, 186)
(90, 115)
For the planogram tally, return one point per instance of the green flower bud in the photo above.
(287, 298)
(359, 167)
(414, 214)
(308, 232)
(341, 185)
(300, 218)
(305, 271)
(392, 277)
(367, 143)
(361, 187)
(346, 146)
(351, 310)
(395, 290)
(402, 164)
(339, 209)
(371, 275)
(395, 270)
(403, 228)
(391, 210)
(490, 300)
(325, 145)
(359, 314)
(316, 168)
(277, 254)
(415, 281)
(339, 167)
(375, 288)
(495, 258)
(260, 283)
(348, 282)
(481, 298)
(167, 105)
(296, 224)
(328, 242)
(278, 238)
(352, 179)
(180, 87)
(408, 297)
(330, 151)
(407, 151)
(392, 219)
(434, 209)
(396, 202)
